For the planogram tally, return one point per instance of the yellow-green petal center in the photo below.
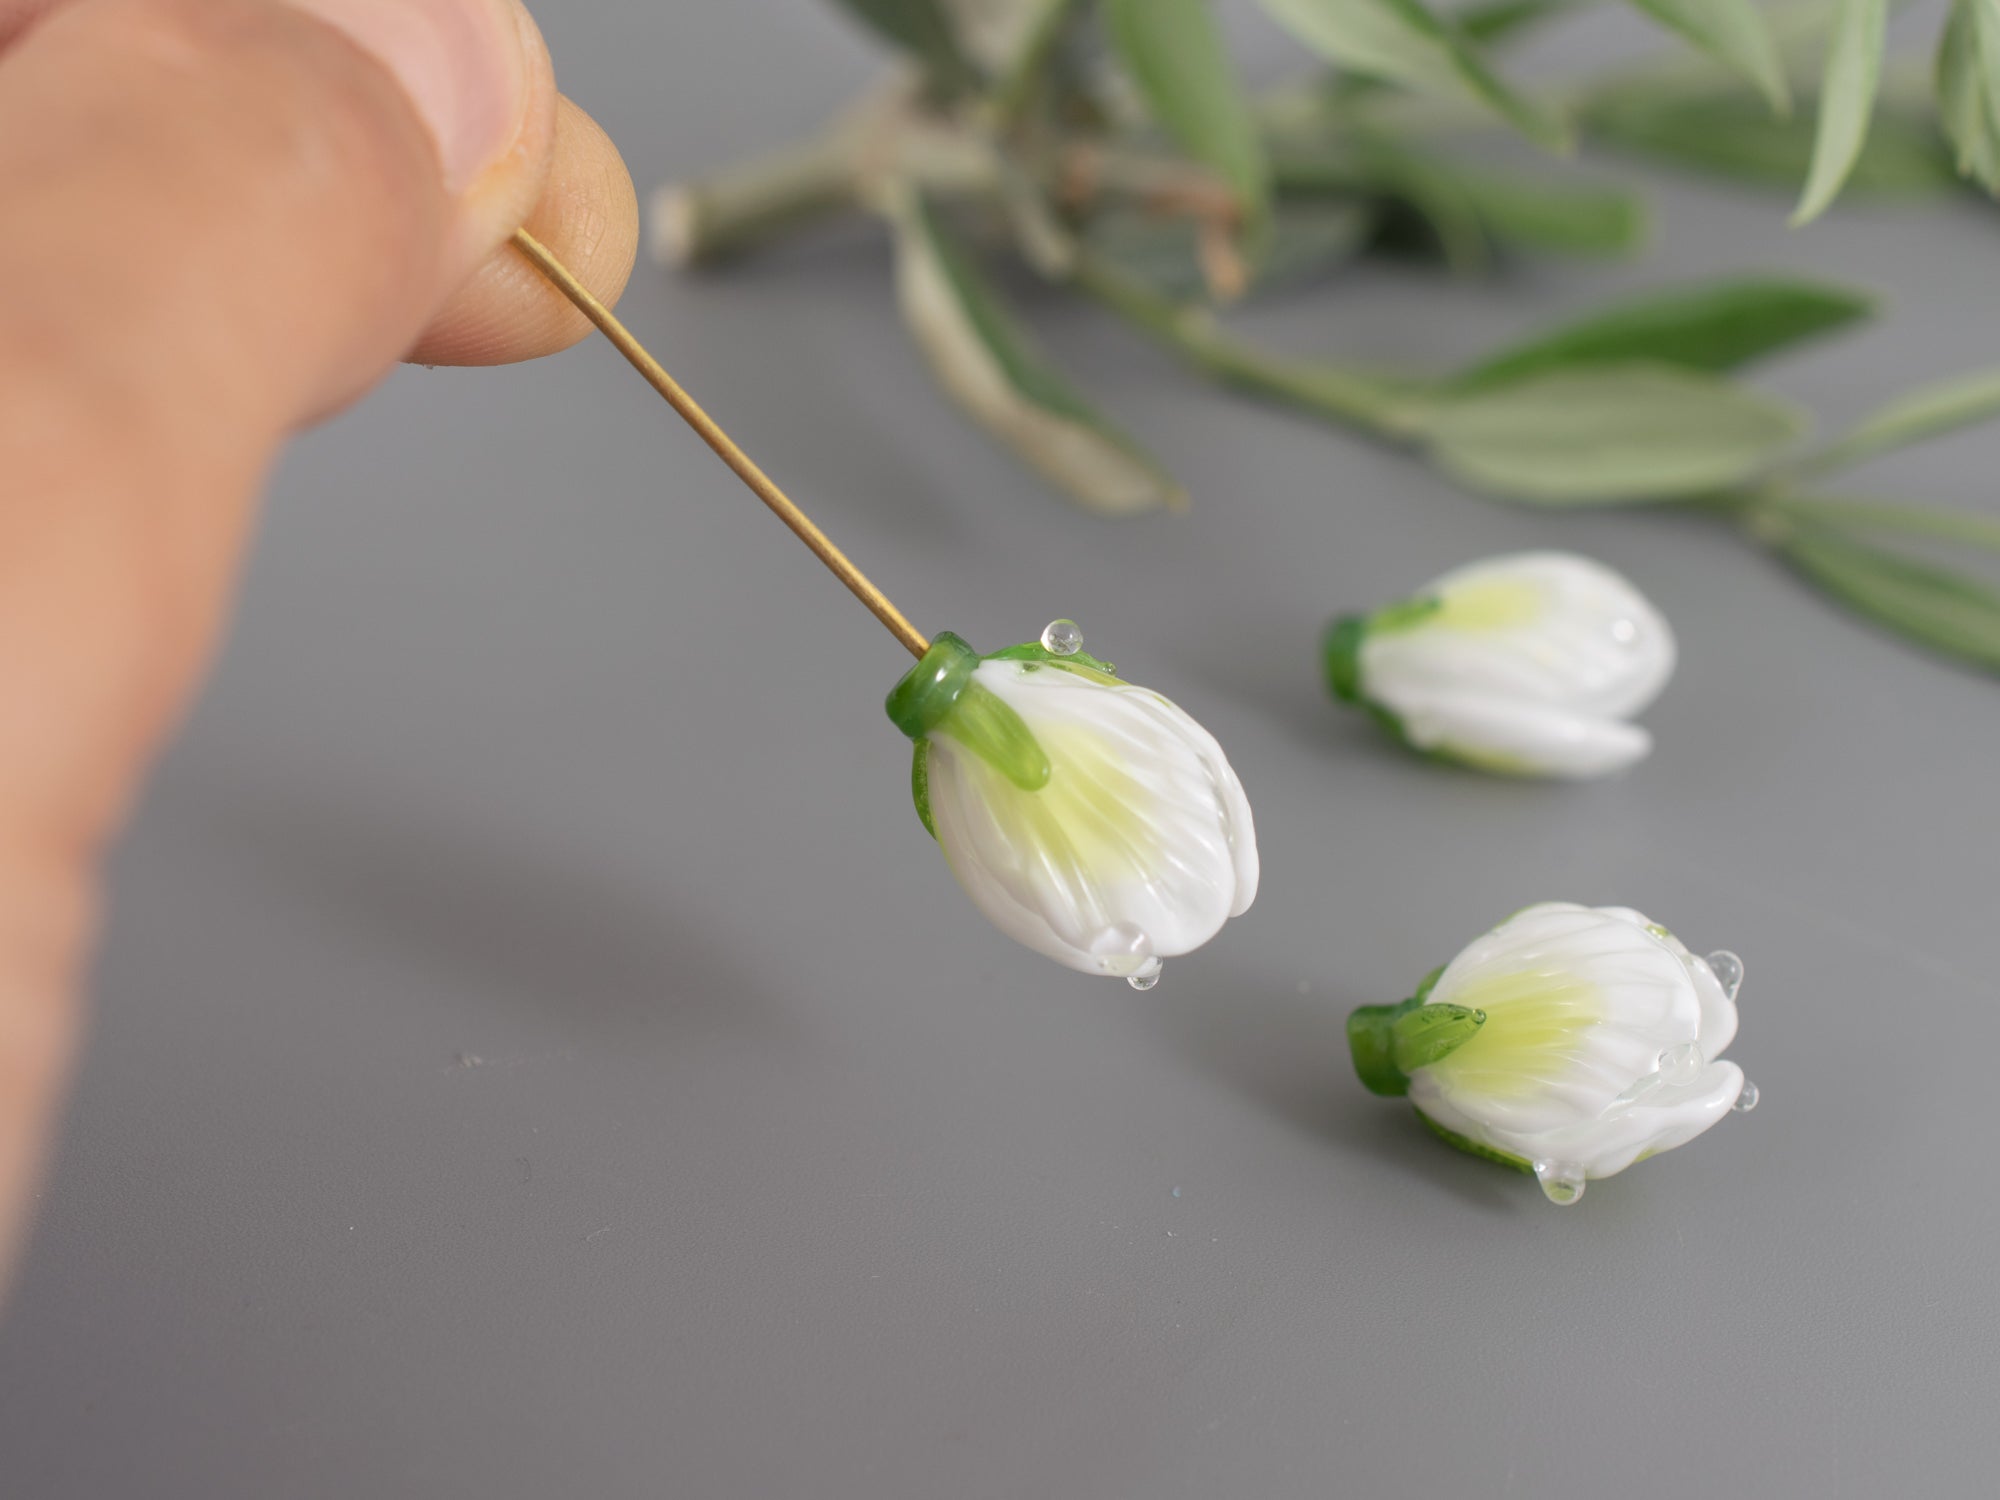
(1535, 1021)
(1488, 604)
(1090, 817)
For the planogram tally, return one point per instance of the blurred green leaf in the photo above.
(924, 30)
(1307, 238)
(1502, 20)
(1733, 135)
(1713, 327)
(989, 365)
(991, 32)
(1567, 219)
(1160, 251)
(1611, 433)
(1175, 56)
(1410, 185)
(1402, 40)
(1968, 88)
(1846, 100)
(1922, 413)
(1470, 209)
(1931, 605)
(1386, 408)
(1304, 239)
(1025, 44)
(1929, 523)
(1734, 33)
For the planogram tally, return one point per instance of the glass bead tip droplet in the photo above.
(1728, 971)
(1562, 1181)
(1682, 1065)
(1746, 1098)
(1062, 638)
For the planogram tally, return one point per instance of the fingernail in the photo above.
(463, 64)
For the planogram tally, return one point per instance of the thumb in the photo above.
(222, 217)
(262, 201)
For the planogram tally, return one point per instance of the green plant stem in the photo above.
(890, 136)
(700, 222)
(851, 165)
(1016, 88)
(1194, 334)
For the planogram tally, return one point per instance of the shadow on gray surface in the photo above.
(1392, 1131)
(1288, 1054)
(835, 453)
(1267, 663)
(518, 919)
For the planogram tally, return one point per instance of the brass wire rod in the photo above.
(690, 411)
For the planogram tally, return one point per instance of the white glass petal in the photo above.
(1139, 847)
(1548, 628)
(1666, 1117)
(1520, 738)
(1599, 1043)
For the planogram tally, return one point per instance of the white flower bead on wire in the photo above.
(1570, 1041)
(1530, 664)
(1088, 818)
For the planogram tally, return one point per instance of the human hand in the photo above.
(223, 219)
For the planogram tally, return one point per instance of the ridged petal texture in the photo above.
(1530, 663)
(1139, 847)
(1584, 1007)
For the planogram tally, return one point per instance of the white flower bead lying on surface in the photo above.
(1570, 1041)
(1528, 664)
(1088, 818)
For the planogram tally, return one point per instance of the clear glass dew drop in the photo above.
(1125, 950)
(1636, 1090)
(1062, 638)
(1562, 1181)
(1145, 979)
(1746, 1100)
(1728, 970)
(1682, 1065)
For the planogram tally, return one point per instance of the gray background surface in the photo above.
(539, 1053)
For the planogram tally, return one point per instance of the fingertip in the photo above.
(506, 190)
(588, 215)
(470, 68)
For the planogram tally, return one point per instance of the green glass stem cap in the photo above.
(1340, 647)
(1390, 1042)
(1340, 653)
(939, 695)
(927, 693)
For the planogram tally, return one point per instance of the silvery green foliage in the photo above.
(1968, 87)
(1112, 149)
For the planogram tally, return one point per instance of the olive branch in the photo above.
(1110, 147)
